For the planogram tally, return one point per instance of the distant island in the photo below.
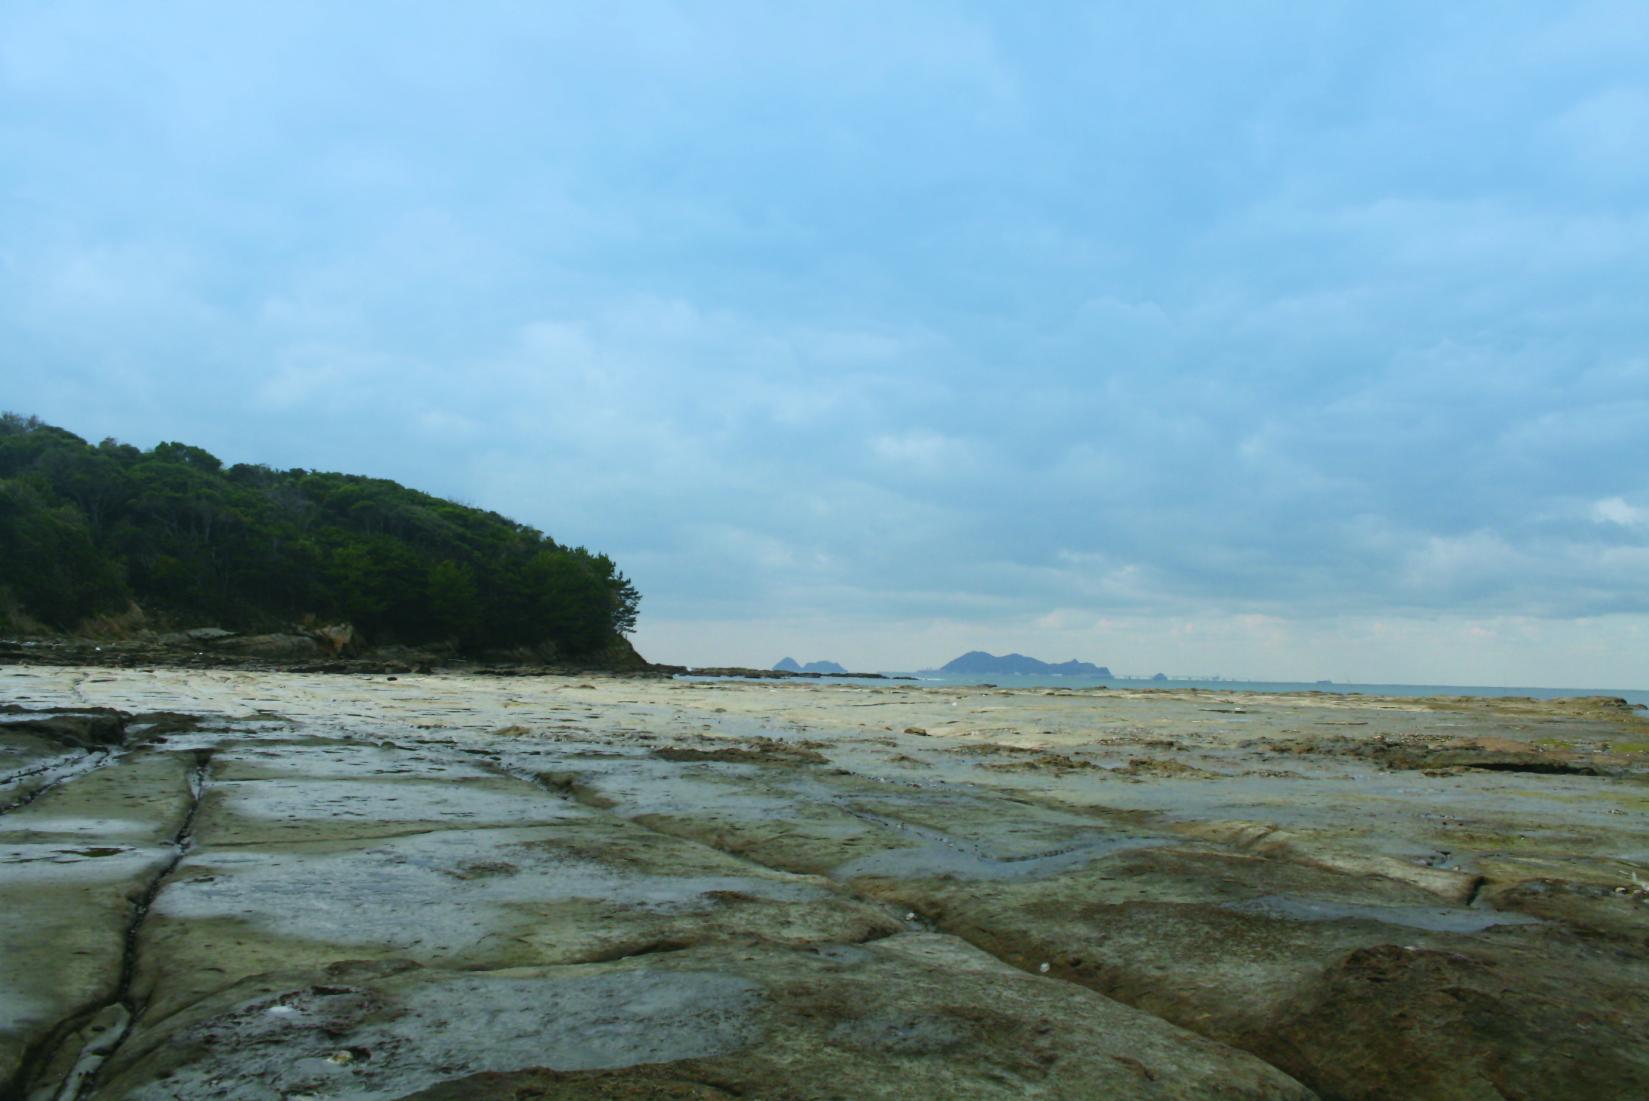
(791, 665)
(978, 662)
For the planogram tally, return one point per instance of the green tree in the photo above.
(83, 529)
(454, 600)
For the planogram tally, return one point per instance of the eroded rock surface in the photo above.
(244, 885)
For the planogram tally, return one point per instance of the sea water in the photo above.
(1636, 696)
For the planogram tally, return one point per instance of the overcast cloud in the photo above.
(1254, 339)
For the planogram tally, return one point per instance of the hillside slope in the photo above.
(89, 531)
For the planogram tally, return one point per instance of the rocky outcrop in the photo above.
(338, 638)
(271, 647)
(334, 649)
(826, 668)
(84, 729)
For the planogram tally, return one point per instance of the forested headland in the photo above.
(174, 538)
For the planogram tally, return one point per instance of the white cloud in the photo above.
(1615, 510)
(923, 453)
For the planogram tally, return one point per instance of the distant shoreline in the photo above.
(739, 672)
(1358, 688)
(61, 651)
(1636, 696)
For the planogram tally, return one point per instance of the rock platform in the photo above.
(262, 885)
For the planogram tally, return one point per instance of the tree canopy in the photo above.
(88, 530)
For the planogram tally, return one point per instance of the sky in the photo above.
(1263, 340)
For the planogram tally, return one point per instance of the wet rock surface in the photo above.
(223, 883)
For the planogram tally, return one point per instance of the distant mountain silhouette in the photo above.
(790, 665)
(976, 662)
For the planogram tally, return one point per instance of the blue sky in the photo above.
(1267, 340)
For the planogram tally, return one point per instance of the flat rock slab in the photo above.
(74, 863)
(592, 888)
(915, 1015)
(1425, 1000)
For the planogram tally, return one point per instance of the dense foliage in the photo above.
(87, 531)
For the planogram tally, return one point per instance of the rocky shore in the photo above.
(241, 883)
(335, 649)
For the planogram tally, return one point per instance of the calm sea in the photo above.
(1631, 695)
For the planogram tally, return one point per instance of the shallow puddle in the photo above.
(56, 864)
(412, 800)
(441, 890)
(940, 854)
